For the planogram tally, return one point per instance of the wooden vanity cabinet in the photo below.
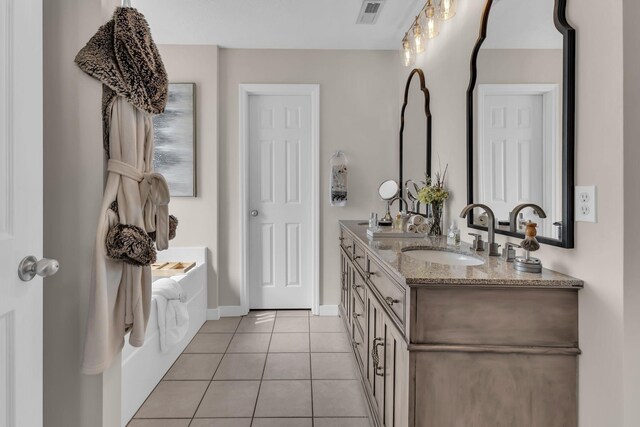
(436, 356)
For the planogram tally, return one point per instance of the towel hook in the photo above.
(125, 3)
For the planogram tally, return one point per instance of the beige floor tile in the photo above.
(287, 366)
(159, 423)
(329, 343)
(249, 343)
(224, 324)
(262, 313)
(241, 366)
(284, 399)
(228, 399)
(291, 324)
(209, 343)
(326, 324)
(255, 325)
(338, 398)
(340, 422)
(333, 366)
(173, 399)
(194, 367)
(289, 343)
(221, 422)
(282, 422)
(294, 313)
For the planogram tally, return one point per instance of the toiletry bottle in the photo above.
(453, 237)
(397, 223)
(373, 220)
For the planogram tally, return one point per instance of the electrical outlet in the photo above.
(585, 203)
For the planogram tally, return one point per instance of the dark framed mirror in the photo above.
(521, 119)
(415, 138)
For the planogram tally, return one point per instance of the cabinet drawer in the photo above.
(359, 256)
(392, 295)
(357, 285)
(346, 242)
(359, 315)
(360, 345)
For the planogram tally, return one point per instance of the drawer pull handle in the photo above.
(357, 257)
(341, 238)
(348, 247)
(356, 315)
(369, 274)
(391, 301)
(356, 343)
(377, 342)
(355, 286)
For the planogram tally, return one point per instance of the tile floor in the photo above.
(266, 369)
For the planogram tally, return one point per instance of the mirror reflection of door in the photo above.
(517, 103)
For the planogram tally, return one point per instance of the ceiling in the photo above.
(277, 24)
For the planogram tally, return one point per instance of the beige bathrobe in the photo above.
(120, 292)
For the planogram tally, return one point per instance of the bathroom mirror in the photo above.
(520, 118)
(415, 134)
(388, 190)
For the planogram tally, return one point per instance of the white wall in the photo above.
(359, 115)
(598, 256)
(631, 209)
(73, 182)
(198, 216)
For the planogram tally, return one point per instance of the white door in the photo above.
(280, 179)
(511, 152)
(20, 211)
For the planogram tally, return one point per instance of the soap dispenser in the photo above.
(453, 237)
(530, 244)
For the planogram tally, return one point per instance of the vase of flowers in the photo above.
(434, 194)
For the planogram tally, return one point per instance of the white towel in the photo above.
(416, 220)
(423, 228)
(412, 228)
(173, 316)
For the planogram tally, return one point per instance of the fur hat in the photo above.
(130, 244)
(123, 56)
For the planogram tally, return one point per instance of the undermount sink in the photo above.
(442, 257)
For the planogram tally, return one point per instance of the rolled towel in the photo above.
(423, 228)
(417, 220)
(412, 228)
(173, 315)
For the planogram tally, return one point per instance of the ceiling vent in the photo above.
(369, 12)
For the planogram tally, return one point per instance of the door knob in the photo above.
(30, 266)
(254, 212)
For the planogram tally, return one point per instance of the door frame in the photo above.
(312, 90)
(550, 97)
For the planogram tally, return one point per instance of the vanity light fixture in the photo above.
(448, 9)
(425, 26)
(407, 53)
(432, 20)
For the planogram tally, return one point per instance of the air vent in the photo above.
(369, 12)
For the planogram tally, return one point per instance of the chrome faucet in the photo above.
(513, 215)
(493, 246)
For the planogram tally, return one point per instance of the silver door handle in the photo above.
(254, 212)
(30, 266)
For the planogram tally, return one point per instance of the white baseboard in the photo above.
(237, 310)
(328, 310)
(231, 311)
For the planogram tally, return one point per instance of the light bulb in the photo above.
(447, 9)
(418, 38)
(406, 53)
(432, 21)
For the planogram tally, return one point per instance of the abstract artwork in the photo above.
(175, 140)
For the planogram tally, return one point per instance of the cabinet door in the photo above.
(376, 357)
(396, 376)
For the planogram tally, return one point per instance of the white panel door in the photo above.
(512, 152)
(280, 265)
(20, 211)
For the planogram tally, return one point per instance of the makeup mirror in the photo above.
(388, 190)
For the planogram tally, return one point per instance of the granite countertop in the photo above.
(495, 272)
